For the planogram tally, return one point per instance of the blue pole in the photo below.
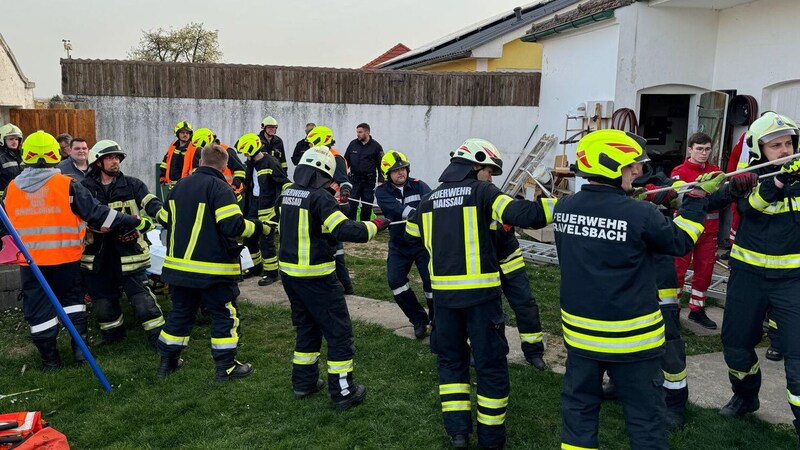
(52, 296)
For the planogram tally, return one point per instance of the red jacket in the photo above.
(688, 172)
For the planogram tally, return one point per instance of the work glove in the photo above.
(145, 224)
(268, 226)
(381, 222)
(163, 180)
(789, 172)
(129, 236)
(708, 183)
(344, 194)
(742, 184)
(663, 198)
(237, 184)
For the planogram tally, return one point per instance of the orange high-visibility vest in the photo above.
(188, 169)
(170, 152)
(45, 222)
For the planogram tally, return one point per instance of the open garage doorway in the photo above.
(664, 122)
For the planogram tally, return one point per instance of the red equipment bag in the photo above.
(27, 430)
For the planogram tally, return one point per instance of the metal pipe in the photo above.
(687, 187)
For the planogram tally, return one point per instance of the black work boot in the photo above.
(299, 395)
(356, 397)
(152, 337)
(675, 421)
(77, 353)
(254, 271)
(536, 361)
(739, 406)
(699, 317)
(51, 360)
(113, 335)
(267, 280)
(421, 329)
(169, 365)
(773, 354)
(233, 371)
(460, 440)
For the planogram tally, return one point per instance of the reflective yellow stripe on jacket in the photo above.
(790, 261)
(614, 337)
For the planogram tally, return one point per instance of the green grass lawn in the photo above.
(370, 281)
(190, 410)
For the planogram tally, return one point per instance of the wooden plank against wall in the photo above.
(303, 84)
(76, 122)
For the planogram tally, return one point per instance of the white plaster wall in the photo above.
(577, 67)
(664, 46)
(13, 93)
(143, 127)
(756, 53)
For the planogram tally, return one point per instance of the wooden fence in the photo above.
(76, 122)
(301, 84)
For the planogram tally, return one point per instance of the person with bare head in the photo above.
(77, 164)
(363, 157)
(65, 142)
(204, 223)
(302, 145)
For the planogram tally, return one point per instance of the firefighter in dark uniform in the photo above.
(765, 272)
(171, 168)
(673, 361)
(273, 144)
(111, 260)
(48, 210)
(453, 223)
(10, 156)
(609, 297)
(234, 172)
(363, 156)
(398, 197)
(340, 184)
(302, 145)
(517, 289)
(204, 225)
(265, 172)
(310, 220)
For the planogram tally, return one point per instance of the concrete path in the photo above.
(708, 374)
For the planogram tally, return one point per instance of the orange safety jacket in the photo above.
(189, 168)
(190, 149)
(45, 222)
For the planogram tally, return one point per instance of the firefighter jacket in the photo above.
(171, 168)
(274, 147)
(204, 225)
(127, 195)
(767, 241)
(234, 173)
(364, 160)
(397, 203)
(507, 247)
(271, 180)
(10, 166)
(49, 209)
(299, 148)
(453, 222)
(311, 224)
(688, 172)
(609, 296)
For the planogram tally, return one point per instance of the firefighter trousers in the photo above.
(398, 265)
(104, 285)
(673, 362)
(484, 326)
(342, 274)
(703, 256)
(364, 190)
(517, 290)
(319, 310)
(220, 301)
(750, 296)
(638, 386)
(262, 249)
(65, 281)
